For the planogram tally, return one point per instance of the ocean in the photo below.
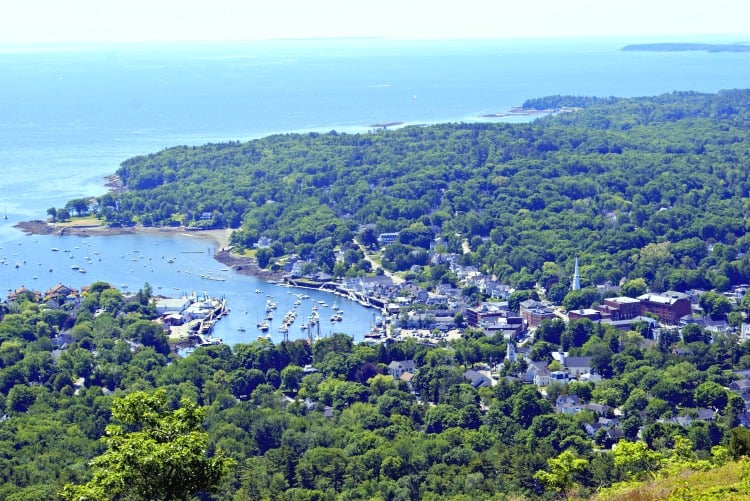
(70, 114)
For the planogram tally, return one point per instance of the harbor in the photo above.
(172, 265)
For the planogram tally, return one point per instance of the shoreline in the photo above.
(221, 237)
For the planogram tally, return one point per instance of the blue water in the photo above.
(69, 115)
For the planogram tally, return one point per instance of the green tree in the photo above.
(158, 454)
(291, 377)
(636, 460)
(582, 298)
(694, 333)
(560, 475)
(263, 255)
(633, 288)
(715, 304)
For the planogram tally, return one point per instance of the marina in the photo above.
(172, 266)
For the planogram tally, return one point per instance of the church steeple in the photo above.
(576, 285)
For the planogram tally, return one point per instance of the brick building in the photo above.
(669, 306)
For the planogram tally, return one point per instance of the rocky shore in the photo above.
(245, 266)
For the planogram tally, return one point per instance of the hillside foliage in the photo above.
(651, 187)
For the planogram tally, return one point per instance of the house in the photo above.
(478, 379)
(397, 368)
(536, 373)
(387, 238)
(12, 296)
(542, 377)
(695, 415)
(573, 366)
(568, 404)
(742, 388)
(744, 419)
(61, 291)
(603, 422)
(577, 366)
(601, 409)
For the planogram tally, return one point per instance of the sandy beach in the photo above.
(37, 227)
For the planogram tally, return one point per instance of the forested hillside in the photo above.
(328, 421)
(634, 187)
(653, 188)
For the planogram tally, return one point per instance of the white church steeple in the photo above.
(576, 285)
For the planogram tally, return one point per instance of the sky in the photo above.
(49, 21)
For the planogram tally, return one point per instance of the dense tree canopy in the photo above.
(649, 188)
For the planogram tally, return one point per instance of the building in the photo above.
(533, 312)
(620, 308)
(669, 307)
(577, 366)
(397, 368)
(387, 238)
(593, 315)
(167, 305)
(576, 283)
(485, 314)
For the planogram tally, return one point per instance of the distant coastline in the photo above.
(682, 47)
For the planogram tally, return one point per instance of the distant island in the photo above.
(680, 47)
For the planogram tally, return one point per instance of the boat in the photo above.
(55, 249)
(241, 329)
(74, 267)
(263, 326)
(81, 270)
